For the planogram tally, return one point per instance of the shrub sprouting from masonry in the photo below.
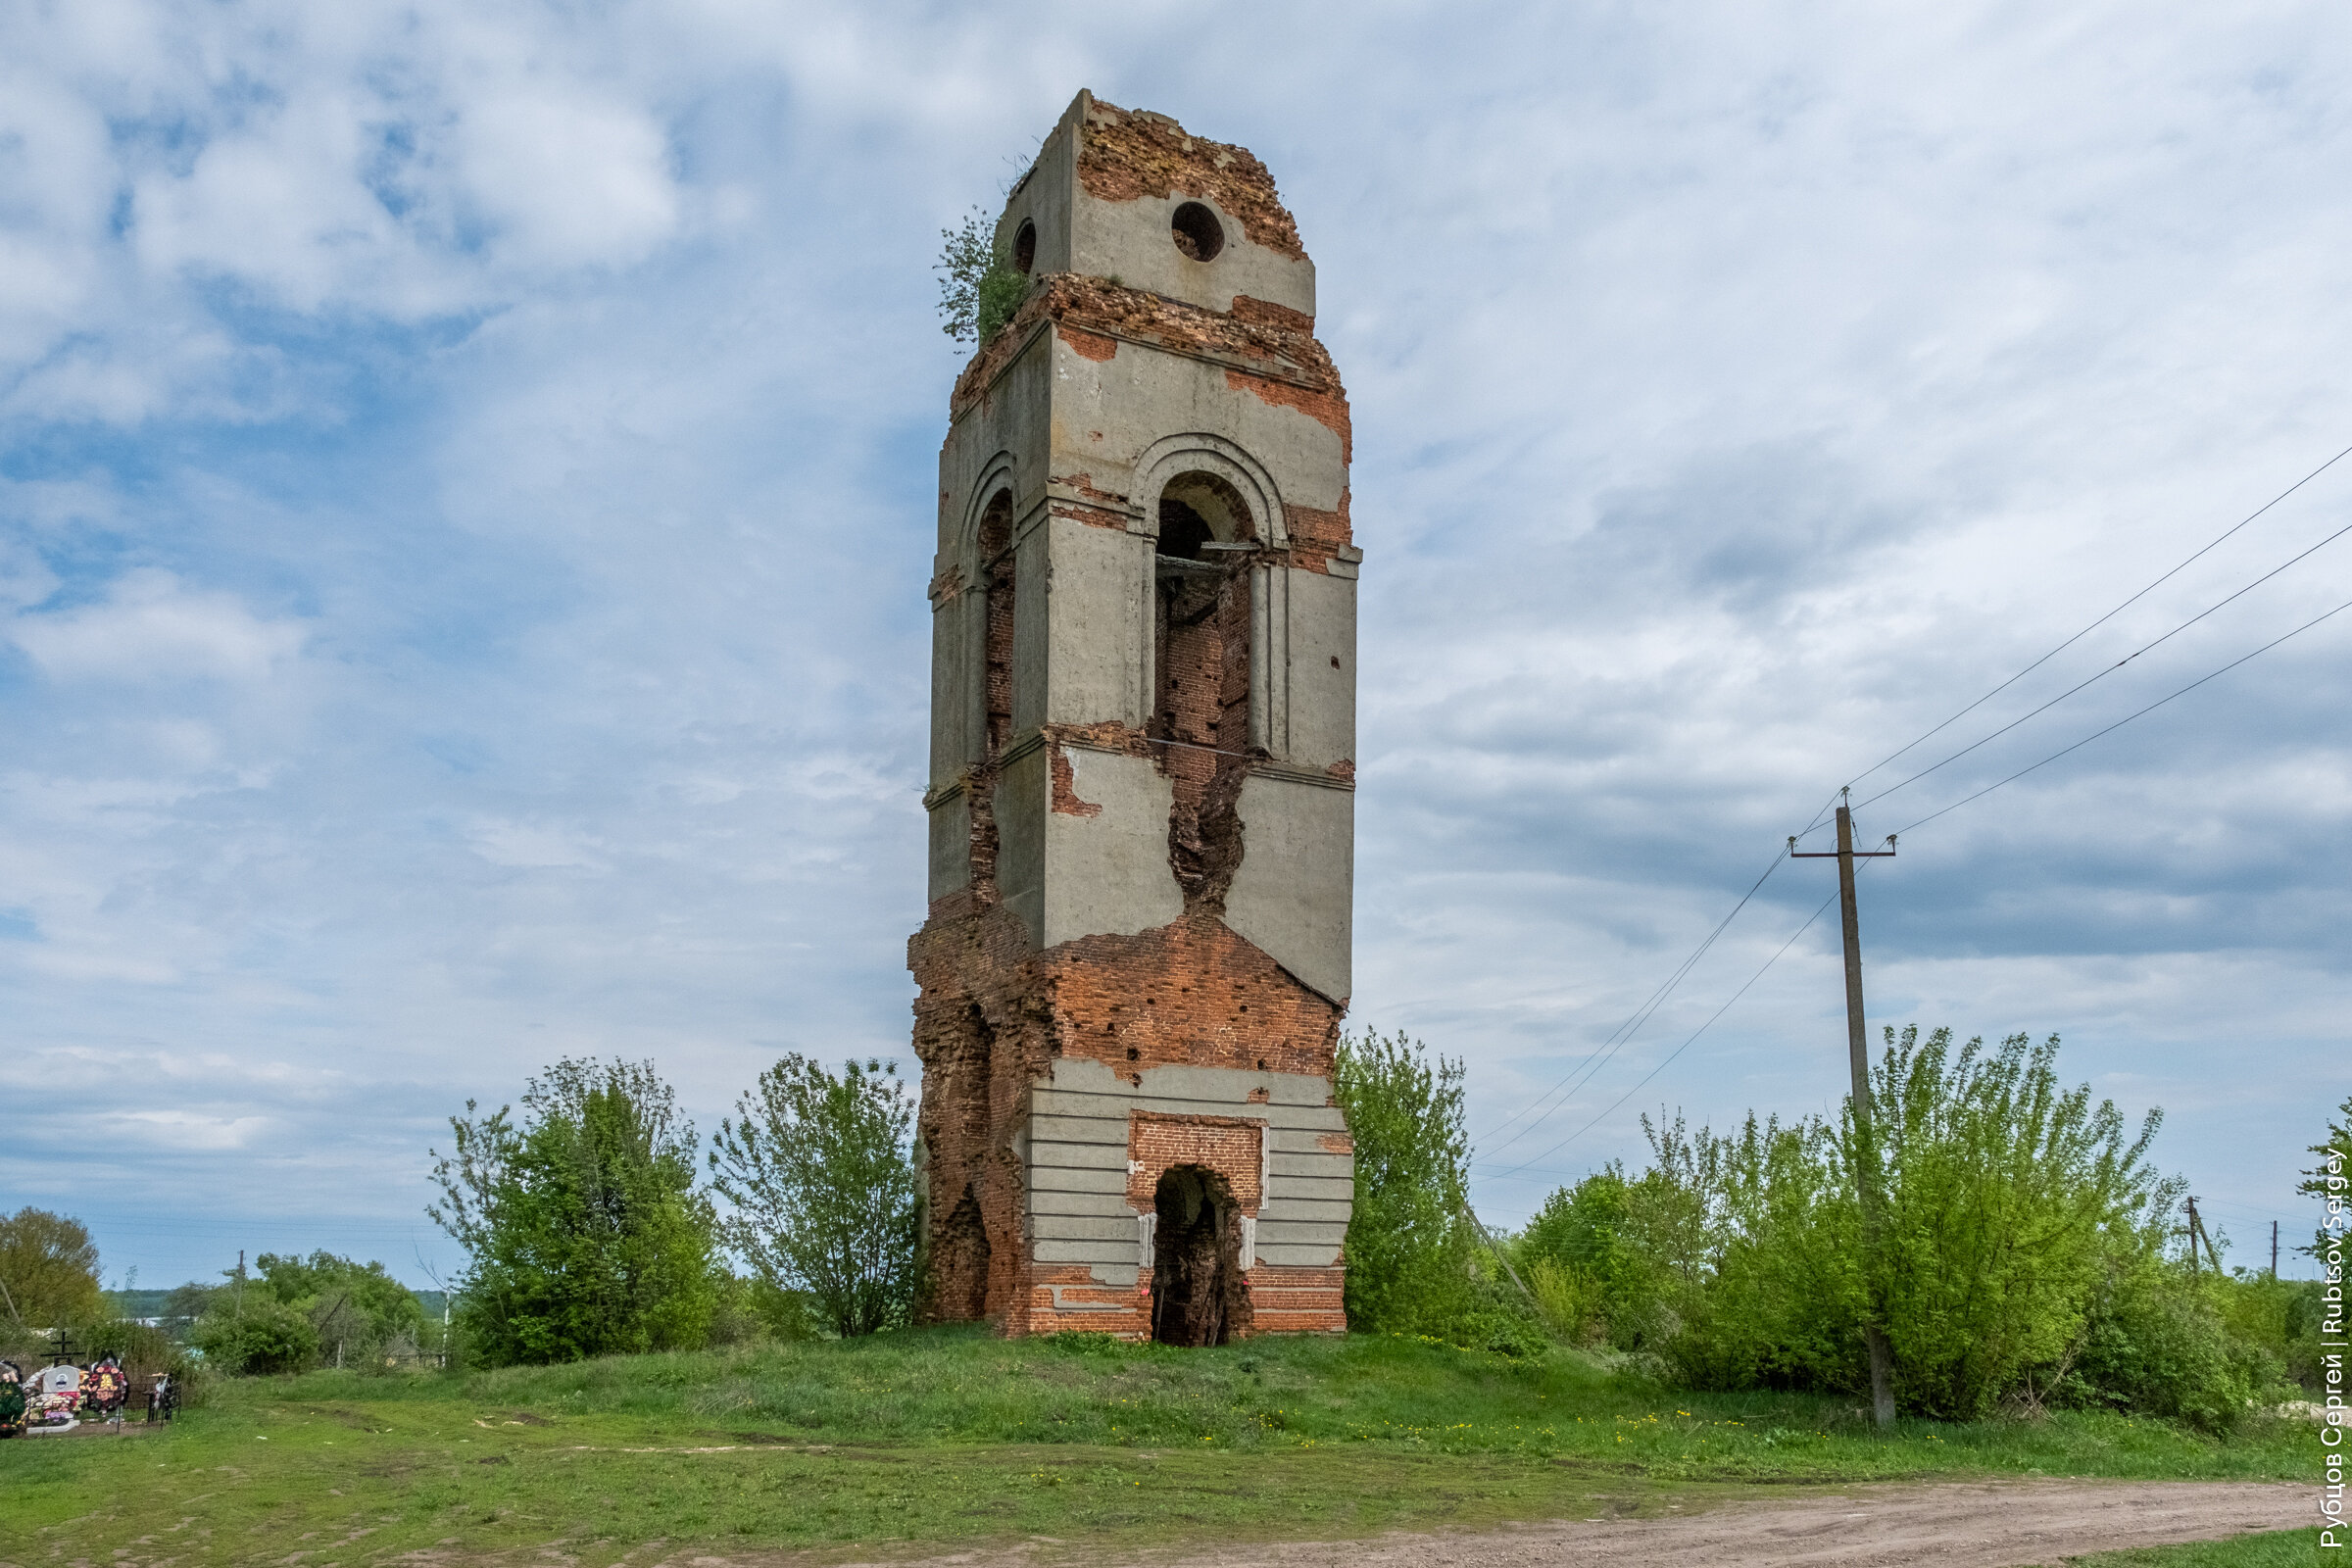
(979, 287)
(816, 1166)
(583, 1229)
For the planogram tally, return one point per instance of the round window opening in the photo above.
(1024, 247)
(1197, 231)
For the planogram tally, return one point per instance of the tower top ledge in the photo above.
(1127, 195)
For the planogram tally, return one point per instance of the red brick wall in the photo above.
(1227, 1145)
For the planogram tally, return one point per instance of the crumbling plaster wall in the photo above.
(1074, 986)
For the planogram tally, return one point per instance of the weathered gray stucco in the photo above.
(1080, 1129)
(1292, 892)
(1077, 232)
(1108, 872)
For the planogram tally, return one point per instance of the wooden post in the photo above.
(1857, 1050)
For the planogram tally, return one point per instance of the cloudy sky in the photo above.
(465, 476)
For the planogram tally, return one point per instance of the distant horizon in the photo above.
(467, 487)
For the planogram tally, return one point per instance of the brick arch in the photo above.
(1199, 452)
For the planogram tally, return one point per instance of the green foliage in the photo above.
(250, 1332)
(358, 1313)
(48, 1270)
(2010, 1206)
(817, 1168)
(1409, 1245)
(1589, 1264)
(2330, 1181)
(2155, 1343)
(979, 287)
(582, 1226)
(2020, 1250)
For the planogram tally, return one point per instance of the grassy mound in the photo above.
(946, 1435)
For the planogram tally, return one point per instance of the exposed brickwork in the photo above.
(996, 1020)
(1327, 407)
(1090, 345)
(1084, 485)
(1202, 643)
(991, 1018)
(1227, 1145)
(1126, 154)
(1191, 993)
(1110, 310)
(1066, 786)
(1265, 312)
(1283, 1300)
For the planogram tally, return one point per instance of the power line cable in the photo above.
(1677, 1051)
(1902, 832)
(2110, 669)
(2159, 582)
(2129, 717)
(1585, 1072)
(1623, 1034)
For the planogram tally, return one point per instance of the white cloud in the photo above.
(531, 846)
(1738, 391)
(568, 180)
(154, 629)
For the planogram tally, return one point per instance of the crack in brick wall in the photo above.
(993, 1014)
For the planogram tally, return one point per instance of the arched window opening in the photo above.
(996, 572)
(1196, 1294)
(1200, 646)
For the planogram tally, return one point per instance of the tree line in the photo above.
(2027, 1253)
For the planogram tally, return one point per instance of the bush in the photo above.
(979, 287)
(818, 1170)
(257, 1334)
(583, 1229)
(2009, 1203)
(2156, 1343)
(1409, 1245)
(1592, 1273)
(2020, 1257)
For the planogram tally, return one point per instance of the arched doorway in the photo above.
(1197, 1294)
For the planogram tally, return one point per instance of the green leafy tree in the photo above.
(2009, 1202)
(1590, 1262)
(2023, 1249)
(48, 1270)
(818, 1170)
(359, 1309)
(584, 1231)
(979, 287)
(2330, 1181)
(1409, 1245)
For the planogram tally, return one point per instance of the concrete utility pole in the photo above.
(2273, 1250)
(1857, 1047)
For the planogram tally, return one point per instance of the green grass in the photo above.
(948, 1436)
(2284, 1549)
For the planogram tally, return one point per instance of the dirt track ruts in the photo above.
(1996, 1524)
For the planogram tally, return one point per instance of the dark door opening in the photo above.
(1196, 1295)
(959, 1264)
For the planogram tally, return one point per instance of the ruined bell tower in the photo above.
(1142, 742)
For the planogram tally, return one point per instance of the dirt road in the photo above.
(1950, 1524)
